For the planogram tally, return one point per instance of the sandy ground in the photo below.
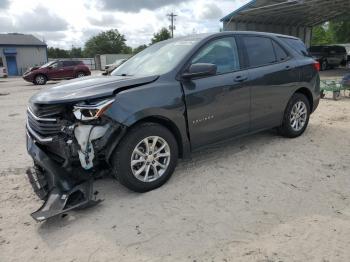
(259, 198)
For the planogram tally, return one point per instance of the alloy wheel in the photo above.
(40, 79)
(298, 116)
(150, 159)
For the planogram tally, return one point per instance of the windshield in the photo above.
(157, 59)
(48, 64)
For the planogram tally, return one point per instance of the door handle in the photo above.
(240, 78)
(288, 67)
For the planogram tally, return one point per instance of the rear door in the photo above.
(272, 76)
(217, 106)
(67, 70)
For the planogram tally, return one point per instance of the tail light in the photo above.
(317, 66)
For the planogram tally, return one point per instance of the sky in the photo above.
(67, 23)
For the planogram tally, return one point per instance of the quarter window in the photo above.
(260, 50)
(221, 52)
(281, 55)
(298, 46)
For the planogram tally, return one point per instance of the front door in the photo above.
(11, 65)
(55, 70)
(217, 106)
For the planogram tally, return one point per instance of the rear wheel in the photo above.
(324, 65)
(80, 74)
(40, 80)
(296, 116)
(146, 158)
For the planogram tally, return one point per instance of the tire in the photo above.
(324, 65)
(126, 153)
(323, 95)
(40, 79)
(288, 127)
(80, 74)
(336, 95)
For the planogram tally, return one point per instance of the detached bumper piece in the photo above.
(59, 202)
(58, 188)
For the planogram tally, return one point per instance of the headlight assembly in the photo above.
(86, 112)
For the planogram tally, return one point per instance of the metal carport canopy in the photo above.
(291, 12)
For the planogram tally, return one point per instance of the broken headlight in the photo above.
(91, 111)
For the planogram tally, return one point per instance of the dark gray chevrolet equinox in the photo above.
(174, 97)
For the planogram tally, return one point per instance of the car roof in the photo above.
(225, 33)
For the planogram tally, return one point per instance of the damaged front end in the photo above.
(70, 145)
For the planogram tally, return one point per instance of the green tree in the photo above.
(107, 42)
(76, 52)
(163, 34)
(57, 53)
(139, 49)
(321, 35)
(340, 30)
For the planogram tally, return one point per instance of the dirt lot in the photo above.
(259, 198)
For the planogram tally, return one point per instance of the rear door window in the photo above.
(260, 50)
(1, 63)
(220, 52)
(68, 63)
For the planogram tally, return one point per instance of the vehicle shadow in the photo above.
(114, 195)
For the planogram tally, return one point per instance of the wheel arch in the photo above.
(305, 91)
(167, 123)
(40, 73)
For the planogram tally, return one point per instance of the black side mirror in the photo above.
(200, 69)
(49, 67)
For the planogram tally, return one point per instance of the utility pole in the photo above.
(172, 26)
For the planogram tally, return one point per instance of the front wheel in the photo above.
(146, 158)
(296, 116)
(40, 80)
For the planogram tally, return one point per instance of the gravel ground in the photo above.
(258, 198)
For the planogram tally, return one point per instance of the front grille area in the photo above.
(44, 126)
(48, 111)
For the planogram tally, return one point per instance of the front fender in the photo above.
(157, 100)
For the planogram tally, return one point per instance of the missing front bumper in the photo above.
(61, 191)
(59, 202)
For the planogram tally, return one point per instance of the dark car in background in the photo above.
(56, 70)
(174, 97)
(329, 56)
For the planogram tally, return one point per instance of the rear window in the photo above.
(260, 50)
(296, 44)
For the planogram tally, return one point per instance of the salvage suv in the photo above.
(56, 70)
(174, 97)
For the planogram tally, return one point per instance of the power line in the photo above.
(172, 25)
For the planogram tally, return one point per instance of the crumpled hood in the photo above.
(87, 88)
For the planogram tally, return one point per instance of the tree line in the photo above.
(106, 42)
(333, 32)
